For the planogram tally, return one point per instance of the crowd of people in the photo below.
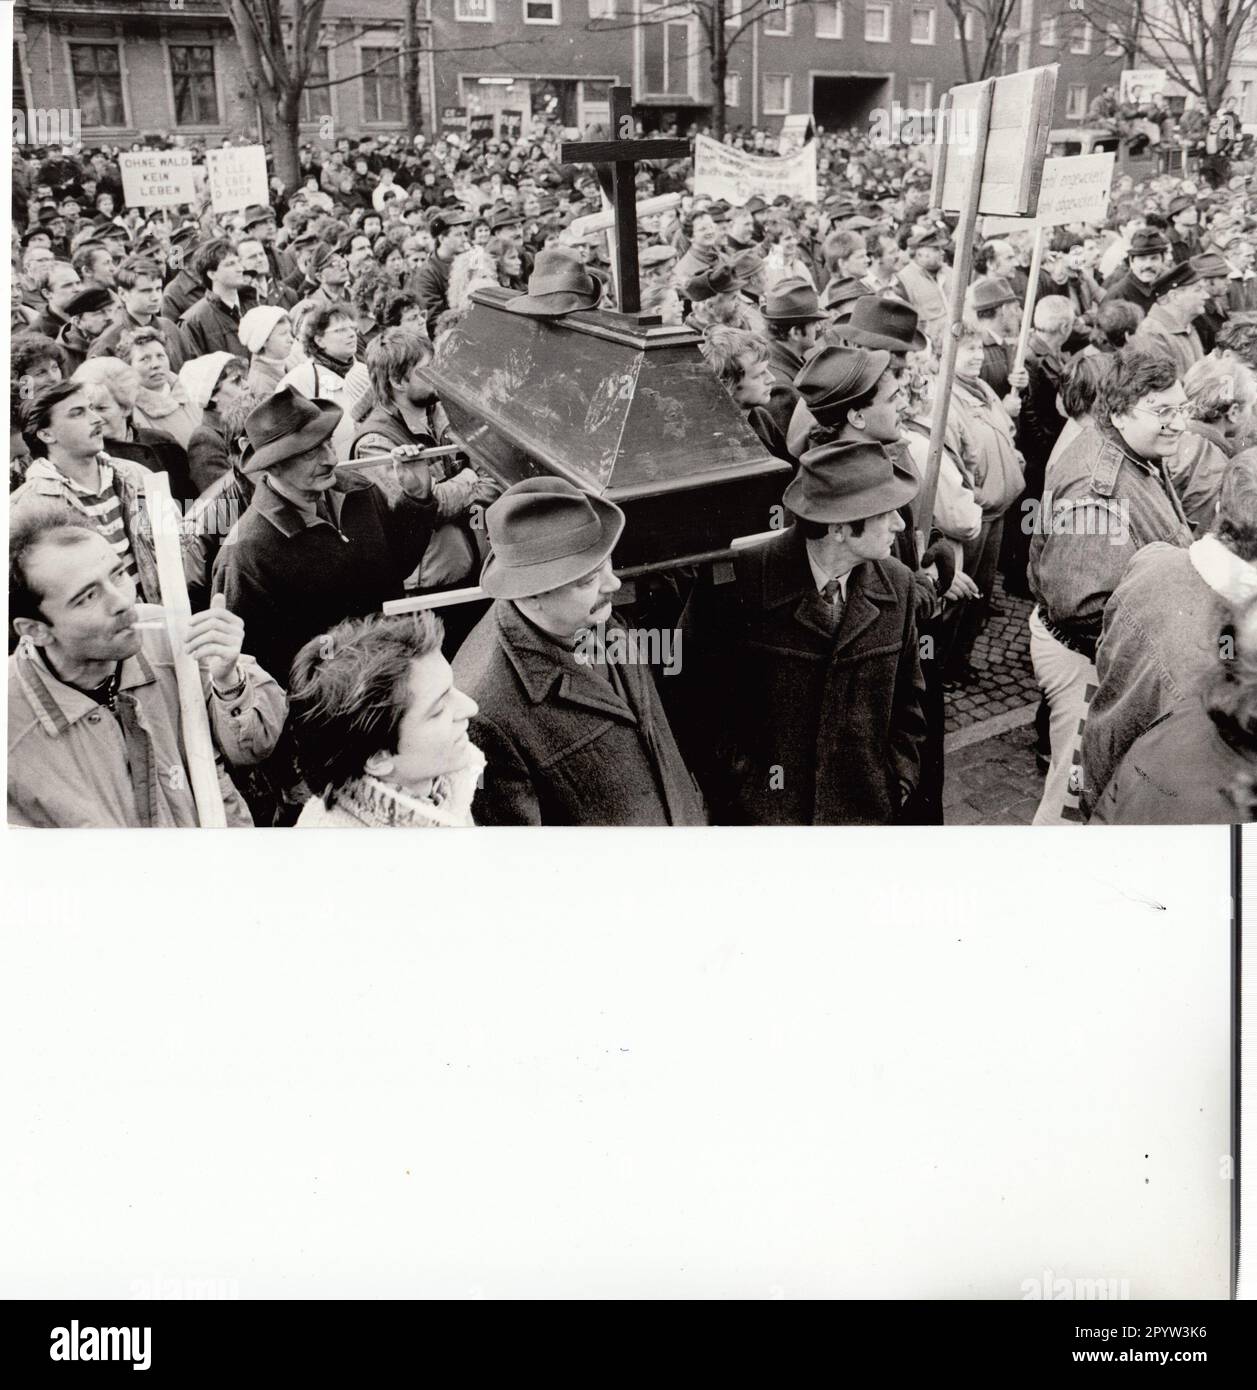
(274, 363)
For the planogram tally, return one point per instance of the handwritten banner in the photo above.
(157, 178)
(237, 177)
(720, 171)
(1142, 84)
(1074, 189)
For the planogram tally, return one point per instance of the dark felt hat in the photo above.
(886, 324)
(716, 279)
(502, 215)
(793, 301)
(1210, 266)
(990, 293)
(924, 236)
(832, 377)
(86, 301)
(546, 532)
(284, 425)
(1180, 204)
(847, 482)
(256, 213)
(840, 292)
(1147, 241)
(559, 284)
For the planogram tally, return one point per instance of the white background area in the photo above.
(731, 1064)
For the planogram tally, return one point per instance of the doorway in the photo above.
(841, 101)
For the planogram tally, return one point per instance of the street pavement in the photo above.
(991, 776)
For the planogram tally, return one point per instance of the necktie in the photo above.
(835, 603)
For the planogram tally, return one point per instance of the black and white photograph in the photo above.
(824, 427)
(617, 413)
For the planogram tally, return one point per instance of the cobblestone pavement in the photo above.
(1002, 655)
(991, 776)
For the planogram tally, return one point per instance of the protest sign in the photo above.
(157, 178)
(720, 171)
(1142, 84)
(237, 177)
(796, 131)
(1075, 188)
(481, 126)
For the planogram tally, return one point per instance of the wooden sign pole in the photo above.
(1032, 290)
(960, 282)
(198, 743)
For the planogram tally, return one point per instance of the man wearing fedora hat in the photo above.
(315, 545)
(1167, 326)
(1145, 261)
(571, 737)
(997, 312)
(792, 317)
(811, 657)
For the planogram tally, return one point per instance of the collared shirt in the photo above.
(821, 576)
(73, 763)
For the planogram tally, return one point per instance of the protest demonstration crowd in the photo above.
(250, 355)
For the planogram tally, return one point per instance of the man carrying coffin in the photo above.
(803, 694)
(572, 734)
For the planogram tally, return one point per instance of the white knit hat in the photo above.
(200, 376)
(258, 325)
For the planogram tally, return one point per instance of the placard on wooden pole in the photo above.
(993, 141)
(198, 743)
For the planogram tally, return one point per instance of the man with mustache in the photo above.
(572, 734)
(94, 715)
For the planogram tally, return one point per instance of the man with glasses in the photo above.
(1107, 495)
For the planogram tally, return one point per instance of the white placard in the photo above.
(157, 178)
(1075, 188)
(1142, 84)
(720, 171)
(237, 177)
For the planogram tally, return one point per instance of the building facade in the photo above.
(172, 66)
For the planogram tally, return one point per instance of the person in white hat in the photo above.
(266, 333)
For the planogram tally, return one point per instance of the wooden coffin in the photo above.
(619, 407)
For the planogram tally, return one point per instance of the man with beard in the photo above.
(95, 728)
(1146, 261)
(569, 719)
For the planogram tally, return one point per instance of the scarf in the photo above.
(166, 400)
(329, 363)
(377, 805)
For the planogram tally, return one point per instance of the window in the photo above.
(776, 94)
(877, 23)
(666, 54)
(97, 84)
(602, 9)
(1047, 32)
(1076, 106)
(473, 11)
(920, 96)
(777, 21)
(970, 28)
(1080, 39)
(196, 93)
(541, 11)
(381, 85)
(733, 89)
(829, 19)
(922, 24)
(317, 101)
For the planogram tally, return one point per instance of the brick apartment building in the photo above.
(136, 66)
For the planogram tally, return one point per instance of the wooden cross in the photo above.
(622, 152)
